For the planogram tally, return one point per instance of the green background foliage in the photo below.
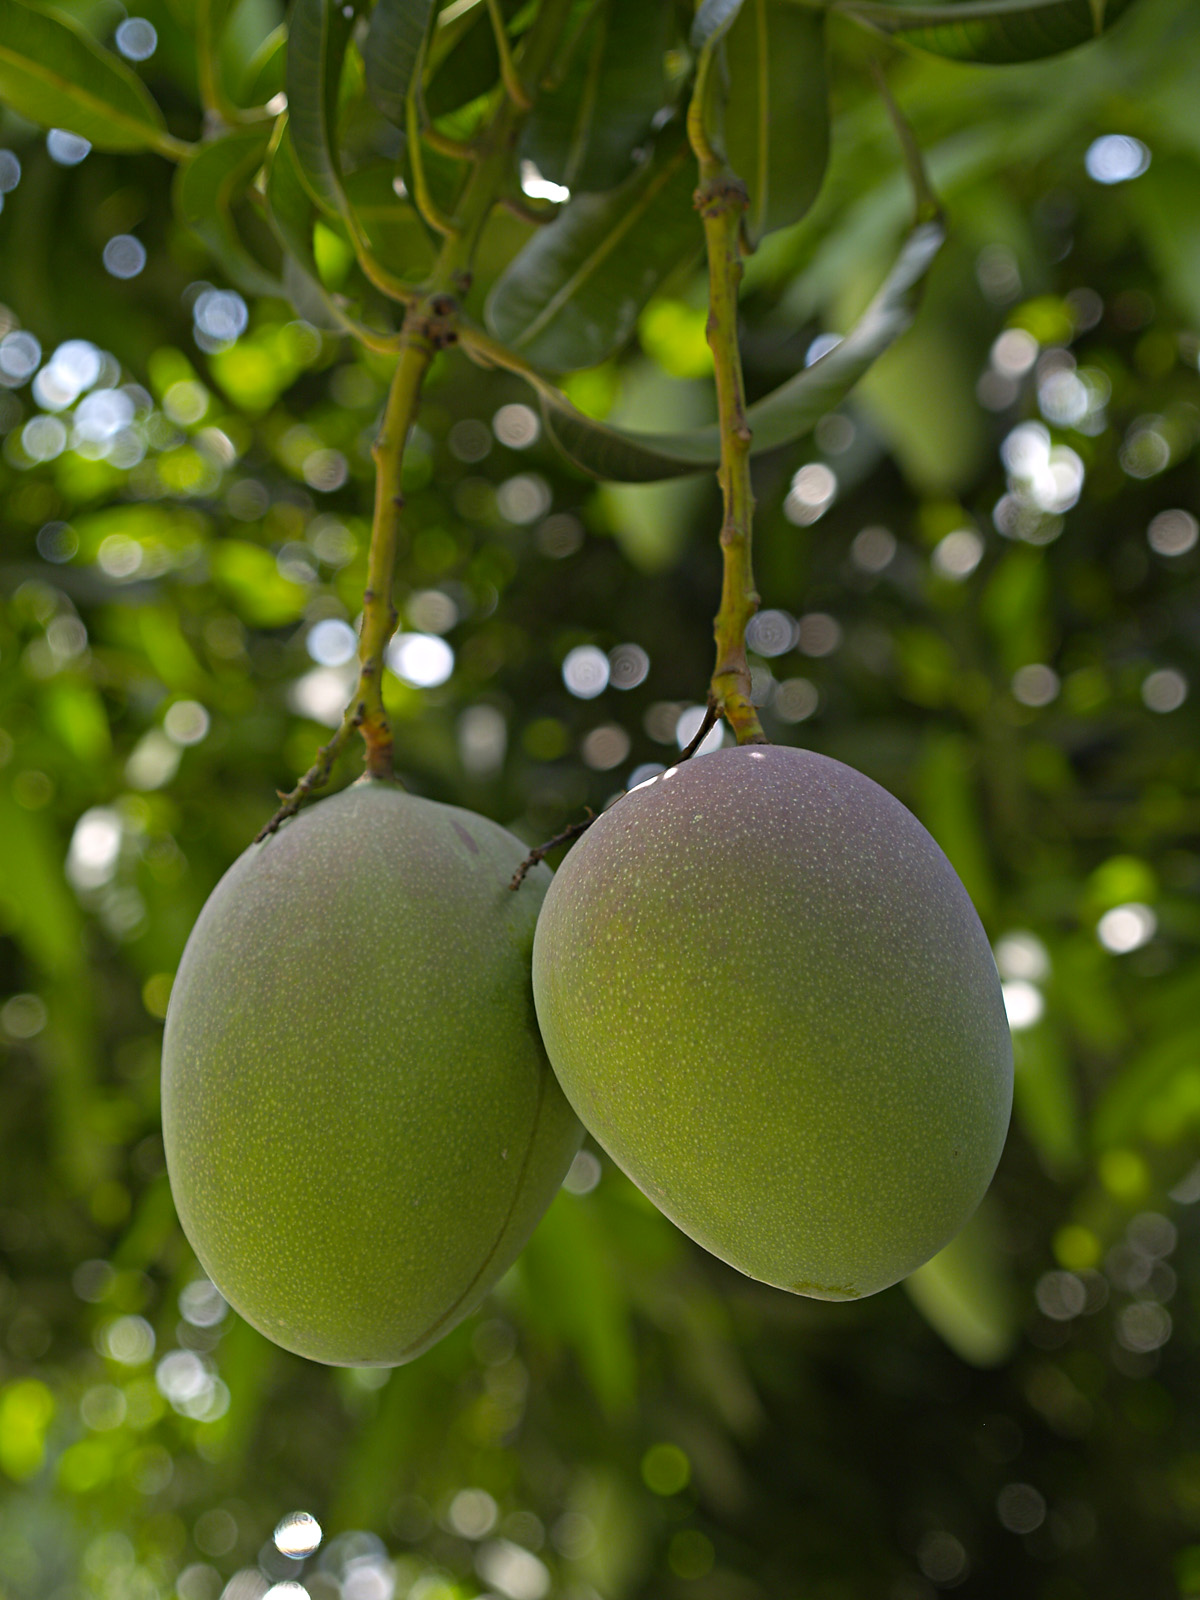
(981, 592)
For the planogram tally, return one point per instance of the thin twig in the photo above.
(543, 850)
(315, 778)
(711, 713)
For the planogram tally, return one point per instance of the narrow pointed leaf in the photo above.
(318, 33)
(778, 419)
(995, 31)
(397, 236)
(777, 116)
(713, 19)
(463, 61)
(584, 132)
(55, 74)
(394, 40)
(572, 296)
(263, 76)
(290, 209)
(206, 188)
(469, 70)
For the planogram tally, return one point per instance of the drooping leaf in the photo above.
(994, 31)
(290, 209)
(394, 39)
(55, 73)
(263, 77)
(777, 113)
(1118, 1113)
(395, 232)
(584, 132)
(779, 418)
(206, 188)
(573, 294)
(318, 34)
(1046, 1099)
(714, 18)
(463, 60)
(965, 1293)
(210, 19)
(589, 1312)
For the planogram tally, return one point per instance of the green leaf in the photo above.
(569, 1272)
(263, 76)
(778, 419)
(467, 70)
(394, 40)
(584, 132)
(573, 294)
(1118, 1114)
(395, 232)
(714, 18)
(205, 190)
(290, 211)
(318, 34)
(48, 927)
(55, 74)
(965, 1293)
(1046, 1099)
(777, 114)
(994, 31)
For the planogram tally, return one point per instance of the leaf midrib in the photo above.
(601, 254)
(103, 109)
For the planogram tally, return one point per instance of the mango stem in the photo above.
(721, 200)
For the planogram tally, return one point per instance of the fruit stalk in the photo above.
(427, 329)
(424, 332)
(721, 200)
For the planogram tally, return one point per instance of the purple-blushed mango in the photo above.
(767, 994)
(361, 1126)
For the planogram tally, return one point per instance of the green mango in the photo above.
(361, 1126)
(768, 996)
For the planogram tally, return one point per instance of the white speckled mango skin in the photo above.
(361, 1126)
(768, 996)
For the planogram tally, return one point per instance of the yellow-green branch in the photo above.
(423, 333)
(721, 201)
(427, 329)
(430, 324)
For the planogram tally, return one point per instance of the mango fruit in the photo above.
(361, 1126)
(768, 996)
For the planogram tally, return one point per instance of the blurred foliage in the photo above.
(980, 582)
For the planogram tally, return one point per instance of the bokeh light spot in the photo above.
(795, 700)
(331, 642)
(1164, 691)
(1116, 158)
(124, 256)
(297, 1534)
(136, 39)
(422, 660)
(186, 722)
(1126, 927)
(585, 671)
(68, 149)
(666, 1469)
(1173, 533)
(873, 549)
(1024, 1003)
(958, 554)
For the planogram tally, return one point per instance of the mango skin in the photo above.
(361, 1126)
(768, 996)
